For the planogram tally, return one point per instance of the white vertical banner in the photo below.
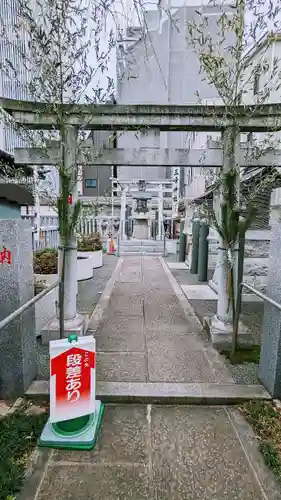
(175, 187)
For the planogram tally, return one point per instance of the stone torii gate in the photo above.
(131, 188)
(39, 116)
(145, 157)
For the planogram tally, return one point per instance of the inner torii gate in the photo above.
(131, 188)
(39, 116)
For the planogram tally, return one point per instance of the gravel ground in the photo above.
(89, 292)
(245, 373)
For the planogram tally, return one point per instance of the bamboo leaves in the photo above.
(233, 221)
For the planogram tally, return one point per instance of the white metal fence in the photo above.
(48, 235)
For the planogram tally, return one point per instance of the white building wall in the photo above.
(162, 68)
(267, 57)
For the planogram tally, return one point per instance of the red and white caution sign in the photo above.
(72, 381)
(5, 256)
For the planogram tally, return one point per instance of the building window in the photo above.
(91, 183)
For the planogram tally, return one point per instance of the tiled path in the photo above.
(153, 452)
(145, 335)
(156, 452)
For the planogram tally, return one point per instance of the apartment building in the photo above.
(13, 83)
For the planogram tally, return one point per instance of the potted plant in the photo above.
(91, 247)
(45, 265)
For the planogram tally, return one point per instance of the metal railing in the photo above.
(49, 238)
(239, 302)
(5, 322)
(49, 230)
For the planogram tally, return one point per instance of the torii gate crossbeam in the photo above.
(39, 115)
(145, 157)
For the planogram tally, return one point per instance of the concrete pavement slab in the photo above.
(178, 365)
(122, 439)
(122, 367)
(164, 453)
(120, 333)
(154, 286)
(161, 298)
(166, 325)
(129, 309)
(169, 341)
(140, 312)
(130, 274)
(80, 482)
(125, 289)
(125, 295)
(167, 311)
(196, 454)
(126, 305)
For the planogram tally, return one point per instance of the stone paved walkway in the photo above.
(145, 335)
(156, 452)
(149, 452)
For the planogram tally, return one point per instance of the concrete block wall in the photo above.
(256, 257)
(17, 340)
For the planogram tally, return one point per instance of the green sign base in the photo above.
(76, 434)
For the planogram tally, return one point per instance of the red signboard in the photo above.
(72, 369)
(5, 256)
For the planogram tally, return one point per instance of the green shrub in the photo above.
(265, 419)
(90, 243)
(45, 261)
(18, 437)
(38, 253)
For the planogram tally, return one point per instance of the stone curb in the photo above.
(265, 478)
(187, 308)
(179, 393)
(38, 461)
(102, 304)
(165, 393)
